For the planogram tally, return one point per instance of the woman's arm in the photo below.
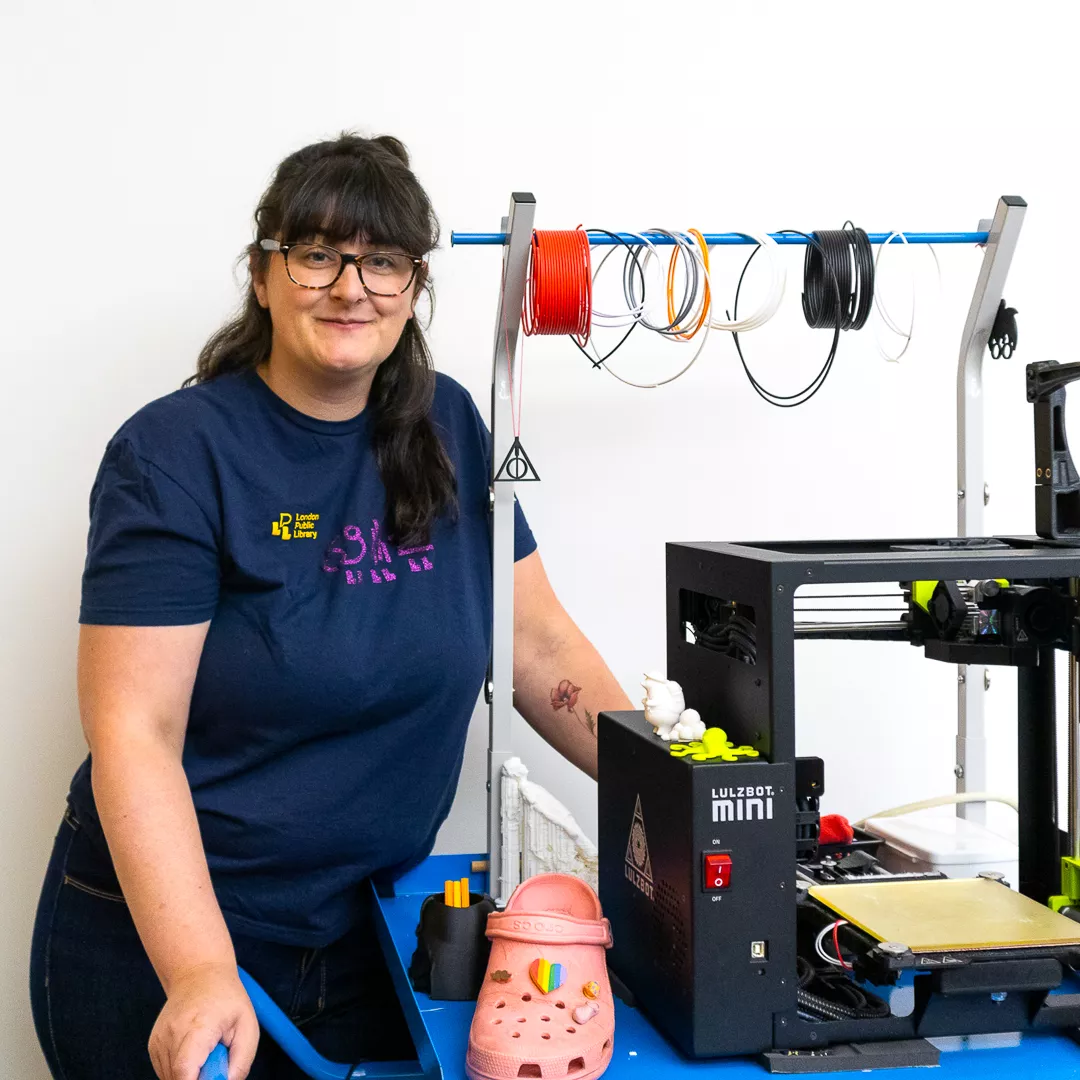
(135, 688)
(560, 682)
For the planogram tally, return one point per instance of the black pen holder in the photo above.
(451, 954)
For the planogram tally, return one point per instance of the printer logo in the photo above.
(638, 866)
(742, 804)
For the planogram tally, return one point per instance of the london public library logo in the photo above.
(638, 867)
(295, 527)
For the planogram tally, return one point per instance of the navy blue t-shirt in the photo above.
(330, 708)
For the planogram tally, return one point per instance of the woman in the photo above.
(285, 625)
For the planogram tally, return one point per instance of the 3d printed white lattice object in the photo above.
(539, 835)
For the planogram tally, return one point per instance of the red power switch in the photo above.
(717, 872)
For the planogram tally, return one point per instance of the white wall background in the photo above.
(136, 139)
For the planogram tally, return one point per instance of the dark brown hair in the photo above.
(352, 188)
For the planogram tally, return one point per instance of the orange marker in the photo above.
(464, 892)
(448, 893)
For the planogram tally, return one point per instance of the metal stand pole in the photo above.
(1040, 847)
(518, 228)
(972, 491)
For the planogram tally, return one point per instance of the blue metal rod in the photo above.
(459, 239)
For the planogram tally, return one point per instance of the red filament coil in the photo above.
(558, 290)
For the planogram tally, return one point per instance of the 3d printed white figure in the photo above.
(665, 709)
(690, 727)
(663, 703)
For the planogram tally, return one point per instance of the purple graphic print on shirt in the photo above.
(340, 557)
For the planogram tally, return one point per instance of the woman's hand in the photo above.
(206, 1005)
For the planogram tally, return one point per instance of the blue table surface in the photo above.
(641, 1050)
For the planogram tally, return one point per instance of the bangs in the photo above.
(343, 199)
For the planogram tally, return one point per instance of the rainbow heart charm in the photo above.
(546, 976)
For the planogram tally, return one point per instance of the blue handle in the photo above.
(276, 1024)
(217, 1064)
(281, 1029)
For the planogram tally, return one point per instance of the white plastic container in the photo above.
(945, 843)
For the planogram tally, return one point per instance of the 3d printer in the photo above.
(718, 929)
(714, 928)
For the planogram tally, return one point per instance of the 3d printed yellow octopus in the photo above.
(714, 746)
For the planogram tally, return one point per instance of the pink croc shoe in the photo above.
(545, 1009)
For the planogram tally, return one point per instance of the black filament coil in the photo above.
(843, 260)
(800, 397)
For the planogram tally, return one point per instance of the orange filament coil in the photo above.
(558, 290)
(685, 335)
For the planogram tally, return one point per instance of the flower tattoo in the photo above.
(566, 693)
(565, 696)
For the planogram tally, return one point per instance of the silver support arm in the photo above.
(972, 491)
(518, 228)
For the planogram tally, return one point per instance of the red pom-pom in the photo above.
(836, 830)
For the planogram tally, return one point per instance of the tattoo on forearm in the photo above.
(565, 696)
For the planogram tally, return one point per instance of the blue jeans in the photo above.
(95, 996)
